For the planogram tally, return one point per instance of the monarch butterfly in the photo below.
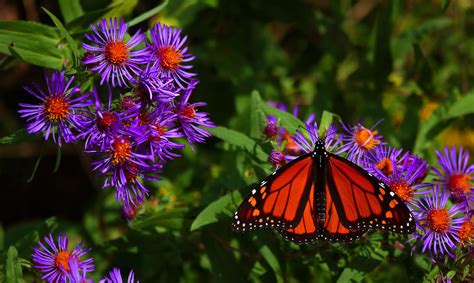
(323, 196)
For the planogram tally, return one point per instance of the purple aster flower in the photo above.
(161, 129)
(151, 86)
(384, 159)
(190, 119)
(167, 46)
(277, 158)
(403, 179)
(115, 276)
(77, 275)
(466, 231)
(439, 224)
(455, 174)
(358, 141)
(123, 167)
(113, 57)
(53, 261)
(99, 127)
(58, 111)
(307, 146)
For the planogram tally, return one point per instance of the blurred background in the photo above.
(408, 63)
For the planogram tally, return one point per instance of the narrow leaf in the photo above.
(257, 116)
(222, 206)
(288, 121)
(19, 136)
(172, 219)
(72, 44)
(240, 140)
(13, 272)
(38, 161)
(326, 119)
(70, 9)
(148, 14)
(272, 260)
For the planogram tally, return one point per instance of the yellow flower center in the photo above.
(466, 232)
(121, 151)
(403, 190)
(366, 138)
(460, 182)
(169, 58)
(131, 173)
(56, 108)
(438, 220)
(116, 52)
(386, 166)
(62, 260)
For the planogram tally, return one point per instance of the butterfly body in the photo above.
(320, 195)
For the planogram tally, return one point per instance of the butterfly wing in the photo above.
(362, 201)
(280, 200)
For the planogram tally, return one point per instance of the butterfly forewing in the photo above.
(280, 199)
(362, 201)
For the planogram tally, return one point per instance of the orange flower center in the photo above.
(386, 166)
(116, 52)
(107, 120)
(121, 151)
(56, 108)
(460, 182)
(438, 220)
(62, 260)
(366, 138)
(188, 111)
(403, 190)
(170, 58)
(160, 130)
(466, 232)
(290, 147)
(143, 119)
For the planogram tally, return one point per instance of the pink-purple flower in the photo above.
(114, 57)
(54, 260)
(59, 110)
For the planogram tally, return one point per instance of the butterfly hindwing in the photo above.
(279, 200)
(363, 201)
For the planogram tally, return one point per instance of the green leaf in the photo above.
(272, 260)
(172, 219)
(222, 206)
(326, 120)
(70, 9)
(257, 117)
(13, 272)
(240, 140)
(38, 161)
(450, 274)
(19, 136)
(288, 121)
(32, 42)
(451, 108)
(72, 44)
(148, 14)
(350, 275)
(445, 5)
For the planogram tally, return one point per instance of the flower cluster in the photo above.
(57, 263)
(442, 207)
(137, 121)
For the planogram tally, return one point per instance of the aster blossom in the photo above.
(307, 145)
(439, 224)
(168, 47)
(358, 141)
(382, 161)
(455, 174)
(190, 119)
(113, 57)
(77, 275)
(101, 125)
(404, 176)
(58, 112)
(115, 276)
(54, 260)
